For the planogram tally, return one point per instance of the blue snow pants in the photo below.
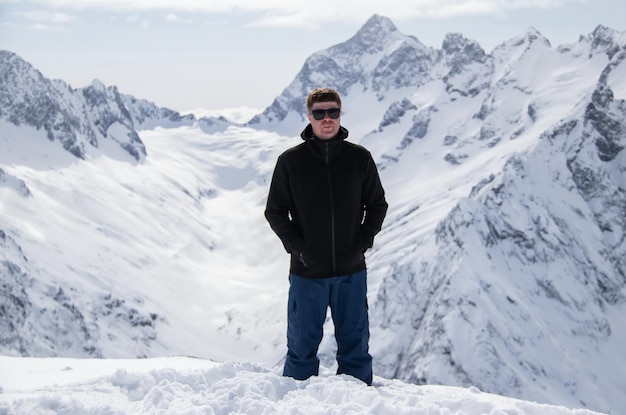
(308, 302)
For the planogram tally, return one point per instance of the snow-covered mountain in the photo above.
(86, 120)
(500, 264)
(47, 124)
(374, 66)
(525, 255)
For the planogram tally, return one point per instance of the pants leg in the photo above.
(307, 306)
(349, 310)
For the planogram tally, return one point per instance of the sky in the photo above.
(197, 54)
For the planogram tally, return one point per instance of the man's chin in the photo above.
(329, 133)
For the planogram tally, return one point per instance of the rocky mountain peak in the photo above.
(16, 74)
(377, 25)
(533, 35)
(9, 59)
(97, 85)
(455, 43)
(459, 51)
(373, 33)
(603, 32)
(528, 39)
(378, 57)
(607, 40)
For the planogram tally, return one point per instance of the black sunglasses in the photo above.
(321, 114)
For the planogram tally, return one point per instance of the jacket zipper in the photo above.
(332, 208)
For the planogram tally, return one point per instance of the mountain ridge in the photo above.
(83, 120)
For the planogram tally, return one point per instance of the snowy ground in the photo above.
(183, 385)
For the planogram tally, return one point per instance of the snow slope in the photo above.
(120, 248)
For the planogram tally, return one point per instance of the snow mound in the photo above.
(185, 385)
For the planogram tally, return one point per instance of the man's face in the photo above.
(327, 127)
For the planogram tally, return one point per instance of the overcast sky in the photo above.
(212, 54)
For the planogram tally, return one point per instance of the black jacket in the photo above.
(326, 204)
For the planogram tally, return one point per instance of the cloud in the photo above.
(46, 16)
(143, 23)
(45, 27)
(45, 20)
(302, 14)
(173, 18)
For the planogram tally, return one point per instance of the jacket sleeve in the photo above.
(278, 208)
(374, 205)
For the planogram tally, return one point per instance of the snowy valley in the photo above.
(131, 231)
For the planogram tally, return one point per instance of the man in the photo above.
(326, 204)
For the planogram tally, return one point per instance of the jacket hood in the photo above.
(307, 134)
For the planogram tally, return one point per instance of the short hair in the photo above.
(322, 95)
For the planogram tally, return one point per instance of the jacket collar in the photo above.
(307, 134)
(324, 150)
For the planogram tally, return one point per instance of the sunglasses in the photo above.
(321, 114)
